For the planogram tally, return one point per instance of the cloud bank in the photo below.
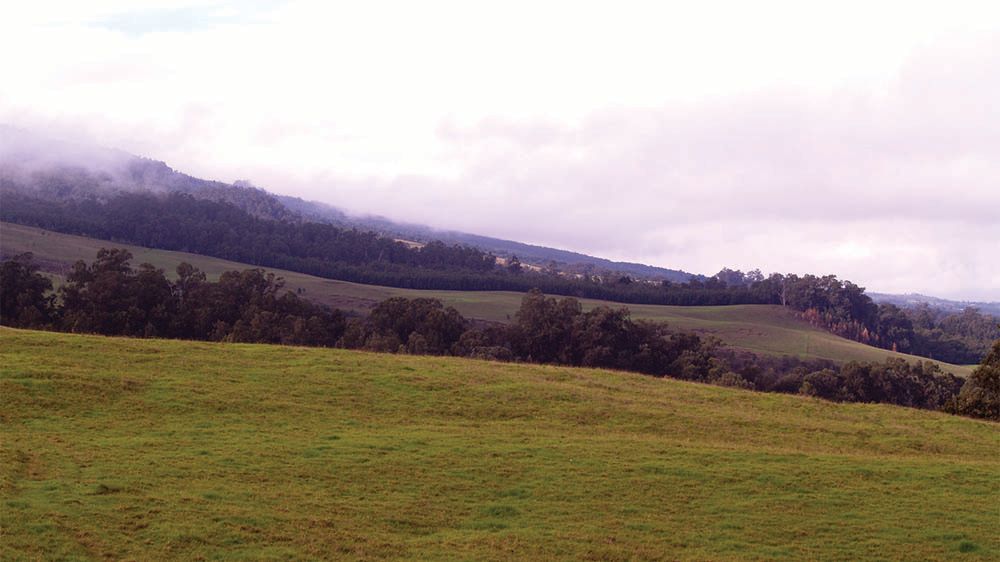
(862, 141)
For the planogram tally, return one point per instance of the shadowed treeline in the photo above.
(110, 297)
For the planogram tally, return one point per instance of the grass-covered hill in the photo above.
(759, 328)
(152, 449)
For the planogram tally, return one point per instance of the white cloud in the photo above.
(856, 138)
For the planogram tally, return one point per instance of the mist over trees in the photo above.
(56, 170)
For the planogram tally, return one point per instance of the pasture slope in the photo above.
(150, 449)
(760, 328)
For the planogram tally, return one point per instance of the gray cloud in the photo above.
(897, 189)
(764, 157)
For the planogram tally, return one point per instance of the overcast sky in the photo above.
(854, 138)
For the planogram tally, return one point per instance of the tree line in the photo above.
(111, 297)
(843, 308)
(962, 338)
(182, 222)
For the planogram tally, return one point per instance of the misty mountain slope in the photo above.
(55, 170)
(574, 262)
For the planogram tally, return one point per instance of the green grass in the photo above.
(760, 328)
(149, 449)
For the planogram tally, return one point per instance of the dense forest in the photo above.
(111, 297)
(565, 260)
(182, 222)
(56, 170)
(963, 337)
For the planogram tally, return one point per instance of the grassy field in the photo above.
(760, 328)
(149, 449)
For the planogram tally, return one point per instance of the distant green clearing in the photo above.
(151, 449)
(760, 328)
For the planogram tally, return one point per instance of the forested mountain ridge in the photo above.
(564, 260)
(58, 170)
(179, 221)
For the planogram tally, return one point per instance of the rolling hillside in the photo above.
(760, 328)
(152, 449)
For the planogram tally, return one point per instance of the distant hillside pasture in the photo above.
(760, 328)
(116, 448)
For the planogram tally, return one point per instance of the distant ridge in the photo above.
(528, 253)
(910, 300)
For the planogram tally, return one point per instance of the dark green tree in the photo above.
(980, 396)
(25, 295)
